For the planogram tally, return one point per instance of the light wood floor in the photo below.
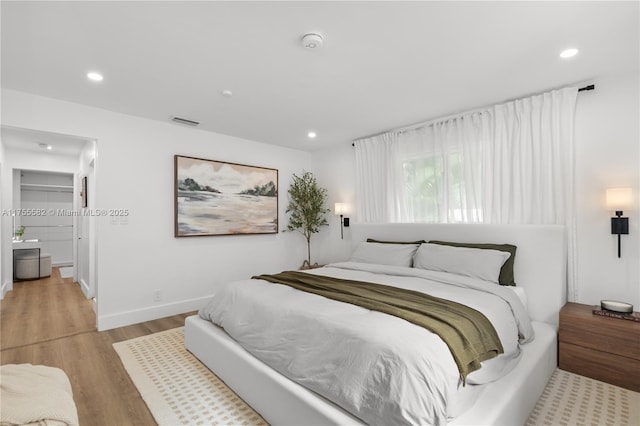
(49, 322)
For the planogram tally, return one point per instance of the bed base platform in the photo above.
(281, 401)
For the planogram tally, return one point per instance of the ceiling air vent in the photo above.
(184, 121)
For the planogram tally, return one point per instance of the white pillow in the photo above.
(385, 253)
(522, 295)
(484, 264)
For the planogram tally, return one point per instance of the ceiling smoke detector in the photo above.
(312, 41)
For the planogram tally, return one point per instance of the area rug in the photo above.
(570, 399)
(178, 389)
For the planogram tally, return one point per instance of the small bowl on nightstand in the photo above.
(612, 305)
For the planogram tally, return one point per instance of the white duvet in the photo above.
(380, 368)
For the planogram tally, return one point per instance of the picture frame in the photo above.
(83, 193)
(213, 198)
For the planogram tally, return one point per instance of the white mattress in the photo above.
(281, 401)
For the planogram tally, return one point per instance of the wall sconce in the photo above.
(619, 199)
(340, 209)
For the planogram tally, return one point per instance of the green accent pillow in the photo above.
(371, 240)
(506, 272)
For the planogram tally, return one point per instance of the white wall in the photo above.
(607, 155)
(335, 170)
(135, 172)
(4, 286)
(85, 272)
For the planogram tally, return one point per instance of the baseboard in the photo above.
(84, 287)
(6, 287)
(121, 319)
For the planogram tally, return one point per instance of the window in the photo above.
(435, 190)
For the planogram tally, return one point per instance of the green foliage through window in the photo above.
(434, 189)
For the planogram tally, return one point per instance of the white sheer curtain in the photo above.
(375, 177)
(511, 163)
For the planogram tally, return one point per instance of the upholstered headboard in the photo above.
(540, 263)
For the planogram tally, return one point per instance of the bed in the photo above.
(539, 270)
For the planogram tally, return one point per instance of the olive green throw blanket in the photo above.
(468, 333)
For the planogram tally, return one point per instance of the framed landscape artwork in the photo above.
(219, 198)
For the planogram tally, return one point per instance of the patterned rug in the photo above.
(570, 399)
(178, 389)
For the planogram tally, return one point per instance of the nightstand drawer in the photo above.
(617, 370)
(602, 338)
(579, 326)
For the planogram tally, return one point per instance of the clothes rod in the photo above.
(582, 89)
(50, 226)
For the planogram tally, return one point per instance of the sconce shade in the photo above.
(619, 199)
(340, 208)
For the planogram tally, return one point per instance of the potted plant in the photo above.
(18, 233)
(306, 205)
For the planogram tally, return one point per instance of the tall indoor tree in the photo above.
(307, 209)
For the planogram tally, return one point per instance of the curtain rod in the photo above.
(424, 123)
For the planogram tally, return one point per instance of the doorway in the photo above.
(42, 172)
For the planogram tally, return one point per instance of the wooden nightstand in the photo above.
(603, 348)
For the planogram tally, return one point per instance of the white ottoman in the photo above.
(26, 265)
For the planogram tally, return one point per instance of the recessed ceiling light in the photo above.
(226, 93)
(45, 146)
(568, 53)
(95, 76)
(312, 135)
